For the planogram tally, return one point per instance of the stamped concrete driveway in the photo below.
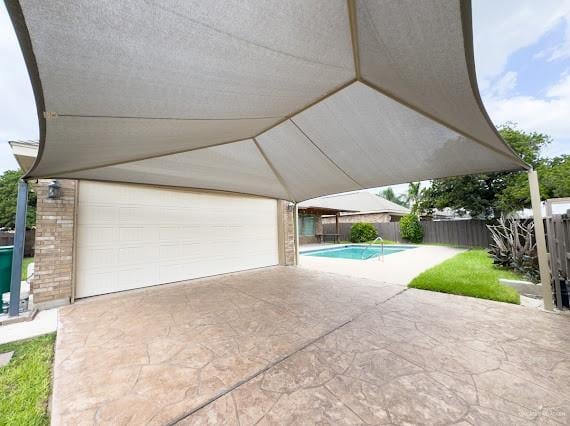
(294, 346)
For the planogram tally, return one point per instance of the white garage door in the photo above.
(132, 236)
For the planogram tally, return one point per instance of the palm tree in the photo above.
(388, 194)
(414, 195)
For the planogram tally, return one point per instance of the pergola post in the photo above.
(337, 227)
(540, 240)
(19, 239)
(296, 220)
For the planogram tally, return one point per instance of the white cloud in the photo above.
(550, 114)
(561, 51)
(504, 85)
(503, 27)
(560, 89)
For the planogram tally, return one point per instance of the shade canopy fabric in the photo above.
(287, 99)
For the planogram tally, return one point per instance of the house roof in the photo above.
(361, 202)
(289, 100)
(25, 153)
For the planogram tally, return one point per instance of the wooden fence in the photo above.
(468, 233)
(7, 239)
(558, 238)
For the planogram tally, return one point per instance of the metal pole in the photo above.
(19, 239)
(540, 240)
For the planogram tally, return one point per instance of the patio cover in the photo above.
(287, 99)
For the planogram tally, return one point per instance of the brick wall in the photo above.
(53, 274)
(287, 231)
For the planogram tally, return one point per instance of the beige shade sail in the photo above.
(286, 99)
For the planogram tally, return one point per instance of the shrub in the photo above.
(411, 228)
(514, 247)
(362, 232)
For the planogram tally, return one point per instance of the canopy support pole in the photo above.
(540, 240)
(19, 239)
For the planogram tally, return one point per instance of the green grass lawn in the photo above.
(25, 263)
(471, 273)
(25, 382)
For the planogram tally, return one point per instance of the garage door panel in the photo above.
(93, 213)
(88, 236)
(132, 215)
(132, 236)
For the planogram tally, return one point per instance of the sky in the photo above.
(522, 60)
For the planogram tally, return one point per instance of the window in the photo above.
(307, 225)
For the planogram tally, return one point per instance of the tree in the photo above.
(490, 195)
(388, 194)
(411, 228)
(8, 198)
(414, 196)
(554, 178)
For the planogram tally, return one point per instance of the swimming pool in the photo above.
(357, 252)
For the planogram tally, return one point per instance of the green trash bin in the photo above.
(6, 253)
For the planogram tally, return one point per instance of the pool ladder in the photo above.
(381, 257)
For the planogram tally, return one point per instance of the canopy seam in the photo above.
(306, 107)
(126, 117)
(353, 23)
(274, 170)
(326, 155)
(249, 42)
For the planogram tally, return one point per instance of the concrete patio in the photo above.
(396, 268)
(293, 346)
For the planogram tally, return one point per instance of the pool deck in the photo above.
(396, 268)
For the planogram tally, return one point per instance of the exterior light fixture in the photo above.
(290, 207)
(54, 190)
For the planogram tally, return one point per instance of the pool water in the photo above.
(356, 252)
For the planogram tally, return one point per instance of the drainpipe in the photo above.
(19, 239)
(540, 240)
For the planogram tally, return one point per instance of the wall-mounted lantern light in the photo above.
(54, 190)
(290, 207)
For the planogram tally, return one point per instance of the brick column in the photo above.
(55, 227)
(286, 234)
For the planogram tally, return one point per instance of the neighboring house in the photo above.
(98, 237)
(25, 153)
(311, 224)
(446, 213)
(352, 207)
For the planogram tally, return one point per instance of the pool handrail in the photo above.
(381, 256)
